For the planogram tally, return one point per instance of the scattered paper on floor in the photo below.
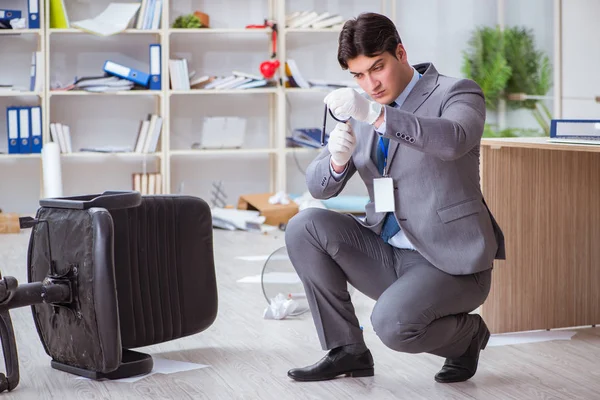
(263, 257)
(272, 277)
(504, 339)
(162, 366)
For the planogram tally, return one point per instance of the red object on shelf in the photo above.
(268, 68)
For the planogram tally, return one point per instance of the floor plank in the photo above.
(249, 356)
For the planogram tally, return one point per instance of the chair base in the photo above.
(133, 363)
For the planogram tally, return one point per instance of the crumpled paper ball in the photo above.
(280, 307)
(279, 198)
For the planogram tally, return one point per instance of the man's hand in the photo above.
(347, 102)
(341, 144)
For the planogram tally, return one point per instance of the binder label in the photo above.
(117, 69)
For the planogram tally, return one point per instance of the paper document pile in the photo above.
(104, 84)
(232, 219)
(114, 19)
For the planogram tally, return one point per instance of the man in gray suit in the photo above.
(425, 250)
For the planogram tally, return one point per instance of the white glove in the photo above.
(347, 102)
(341, 144)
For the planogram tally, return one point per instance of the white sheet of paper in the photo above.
(162, 366)
(263, 257)
(253, 258)
(529, 337)
(383, 188)
(114, 19)
(273, 277)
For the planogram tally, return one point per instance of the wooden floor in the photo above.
(249, 356)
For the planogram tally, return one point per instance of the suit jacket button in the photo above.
(412, 139)
(398, 134)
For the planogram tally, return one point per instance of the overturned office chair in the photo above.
(108, 273)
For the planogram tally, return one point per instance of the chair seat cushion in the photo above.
(164, 268)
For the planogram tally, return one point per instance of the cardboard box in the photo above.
(9, 223)
(275, 214)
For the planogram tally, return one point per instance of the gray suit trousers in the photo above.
(419, 307)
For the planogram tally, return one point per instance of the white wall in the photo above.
(519, 13)
(581, 58)
(437, 31)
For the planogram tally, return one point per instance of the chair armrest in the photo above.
(109, 200)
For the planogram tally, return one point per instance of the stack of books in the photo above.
(61, 134)
(147, 183)
(236, 80)
(313, 19)
(150, 15)
(148, 135)
(182, 79)
(101, 84)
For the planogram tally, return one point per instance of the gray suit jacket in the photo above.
(434, 162)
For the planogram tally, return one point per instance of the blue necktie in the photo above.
(390, 226)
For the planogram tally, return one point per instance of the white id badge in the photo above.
(383, 188)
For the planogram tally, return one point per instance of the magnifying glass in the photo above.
(325, 123)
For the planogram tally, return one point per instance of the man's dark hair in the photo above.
(370, 34)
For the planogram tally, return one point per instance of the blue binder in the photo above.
(24, 130)
(135, 76)
(12, 127)
(7, 15)
(36, 129)
(155, 67)
(34, 14)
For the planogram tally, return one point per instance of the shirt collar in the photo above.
(415, 78)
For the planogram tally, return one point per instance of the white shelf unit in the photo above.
(101, 119)
(20, 174)
(264, 162)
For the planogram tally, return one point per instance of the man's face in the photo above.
(382, 77)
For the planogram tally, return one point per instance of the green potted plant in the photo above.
(484, 62)
(531, 74)
(192, 21)
(507, 66)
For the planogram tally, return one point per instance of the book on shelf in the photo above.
(61, 134)
(179, 74)
(148, 134)
(147, 183)
(293, 75)
(149, 15)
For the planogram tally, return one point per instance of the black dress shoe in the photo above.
(464, 367)
(337, 362)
